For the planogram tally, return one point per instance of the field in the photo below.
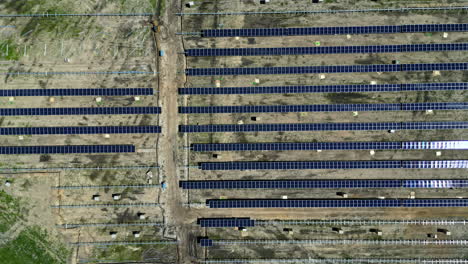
(197, 198)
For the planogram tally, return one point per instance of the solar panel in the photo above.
(79, 111)
(461, 144)
(322, 127)
(204, 242)
(226, 222)
(335, 203)
(433, 184)
(327, 50)
(435, 164)
(320, 108)
(77, 92)
(76, 149)
(329, 69)
(308, 165)
(435, 203)
(321, 184)
(264, 32)
(327, 88)
(79, 130)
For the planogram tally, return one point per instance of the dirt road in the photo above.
(169, 80)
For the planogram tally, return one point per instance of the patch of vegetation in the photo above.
(33, 246)
(10, 211)
(9, 50)
(23, 6)
(61, 26)
(26, 185)
(121, 253)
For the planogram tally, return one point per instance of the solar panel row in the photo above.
(225, 222)
(455, 144)
(328, 88)
(306, 203)
(79, 130)
(320, 108)
(462, 66)
(66, 149)
(327, 50)
(265, 32)
(321, 184)
(308, 165)
(77, 92)
(323, 127)
(79, 111)
(204, 242)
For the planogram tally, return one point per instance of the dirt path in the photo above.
(169, 80)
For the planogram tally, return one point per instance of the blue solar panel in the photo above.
(327, 50)
(79, 111)
(435, 203)
(307, 165)
(349, 203)
(204, 242)
(321, 184)
(320, 108)
(264, 32)
(226, 222)
(328, 88)
(302, 165)
(461, 144)
(329, 69)
(322, 127)
(304, 203)
(79, 130)
(77, 92)
(66, 149)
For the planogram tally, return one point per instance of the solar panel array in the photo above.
(226, 222)
(66, 149)
(321, 184)
(79, 130)
(461, 66)
(266, 32)
(320, 108)
(323, 127)
(454, 144)
(327, 50)
(204, 242)
(328, 88)
(308, 165)
(77, 92)
(353, 203)
(79, 111)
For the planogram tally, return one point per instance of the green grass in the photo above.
(60, 26)
(121, 253)
(10, 211)
(8, 50)
(28, 247)
(23, 7)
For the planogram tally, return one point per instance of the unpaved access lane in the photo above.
(171, 66)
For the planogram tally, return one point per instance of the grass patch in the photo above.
(60, 26)
(10, 211)
(23, 6)
(8, 50)
(161, 7)
(121, 253)
(29, 247)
